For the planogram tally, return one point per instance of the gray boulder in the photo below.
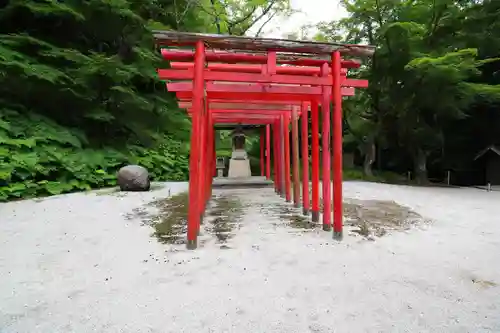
(133, 178)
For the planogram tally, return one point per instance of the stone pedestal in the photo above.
(239, 164)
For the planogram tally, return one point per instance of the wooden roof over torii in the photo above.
(291, 84)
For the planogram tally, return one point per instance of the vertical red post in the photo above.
(325, 138)
(295, 158)
(305, 158)
(262, 145)
(282, 163)
(202, 168)
(214, 153)
(210, 156)
(315, 160)
(286, 133)
(268, 152)
(337, 146)
(198, 109)
(275, 157)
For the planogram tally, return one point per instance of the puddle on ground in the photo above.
(170, 222)
(224, 215)
(289, 215)
(376, 217)
(367, 218)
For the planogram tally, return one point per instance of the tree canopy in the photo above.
(434, 83)
(79, 95)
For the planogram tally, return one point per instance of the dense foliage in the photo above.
(79, 96)
(434, 83)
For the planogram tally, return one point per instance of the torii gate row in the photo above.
(263, 80)
(184, 92)
(282, 158)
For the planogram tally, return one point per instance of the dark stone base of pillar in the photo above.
(327, 227)
(296, 205)
(315, 217)
(305, 211)
(192, 244)
(337, 235)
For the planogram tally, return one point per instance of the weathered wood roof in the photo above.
(226, 42)
(491, 148)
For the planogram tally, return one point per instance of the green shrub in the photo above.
(39, 157)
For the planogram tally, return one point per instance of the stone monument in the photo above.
(239, 164)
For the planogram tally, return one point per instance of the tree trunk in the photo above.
(370, 153)
(420, 164)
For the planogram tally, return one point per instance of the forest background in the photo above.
(79, 96)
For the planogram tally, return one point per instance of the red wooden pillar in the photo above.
(268, 152)
(210, 157)
(197, 105)
(305, 158)
(275, 157)
(282, 158)
(286, 133)
(295, 158)
(337, 146)
(202, 165)
(315, 160)
(325, 138)
(214, 152)
(262, 145)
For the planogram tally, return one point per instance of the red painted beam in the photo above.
(239, 106)
(287, 70)
(254, 88)
(231, 57)
(250, 113)
(262, 96)
(242, 116)
(174, 74)
(244, 121)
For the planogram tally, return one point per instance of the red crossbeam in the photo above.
(251, 68)
(253, 88)
(247, 112)
(231, 57)
(187, 104)
(179, 74)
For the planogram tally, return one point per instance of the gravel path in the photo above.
(77, 263)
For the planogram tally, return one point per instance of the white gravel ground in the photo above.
(74, 263)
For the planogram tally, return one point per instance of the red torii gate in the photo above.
(283, 80)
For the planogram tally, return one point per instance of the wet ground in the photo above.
(228, 207)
